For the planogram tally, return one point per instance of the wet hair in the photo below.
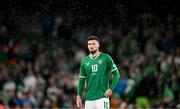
(93, 38)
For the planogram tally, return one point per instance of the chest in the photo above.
(96, 66)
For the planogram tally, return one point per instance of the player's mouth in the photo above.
(92, 48)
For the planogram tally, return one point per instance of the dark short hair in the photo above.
(93, 38)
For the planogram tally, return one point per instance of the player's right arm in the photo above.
(82, 77)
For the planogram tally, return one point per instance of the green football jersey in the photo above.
(96, 72)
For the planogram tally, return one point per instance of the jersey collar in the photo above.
(91, 56)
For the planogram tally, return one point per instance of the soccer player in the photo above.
(95, 70)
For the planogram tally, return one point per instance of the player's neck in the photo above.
(95, 54)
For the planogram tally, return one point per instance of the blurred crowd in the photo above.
(42, 71)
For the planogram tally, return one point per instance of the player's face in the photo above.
(93, 46)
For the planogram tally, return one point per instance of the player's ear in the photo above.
(98, 45)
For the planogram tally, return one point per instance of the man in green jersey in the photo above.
(95, 70)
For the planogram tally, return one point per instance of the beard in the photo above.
(93, 51)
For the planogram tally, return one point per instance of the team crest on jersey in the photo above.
(100, 61)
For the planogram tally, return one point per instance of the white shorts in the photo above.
(102, 103)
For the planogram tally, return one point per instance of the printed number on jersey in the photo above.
(94, 68)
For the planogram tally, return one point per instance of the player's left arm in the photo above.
(115, 72)
(115, 80)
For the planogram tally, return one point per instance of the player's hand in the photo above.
(108, 93)
(78, 102)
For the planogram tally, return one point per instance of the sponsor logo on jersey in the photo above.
(93, 74)
(100, 61)
(87, 63)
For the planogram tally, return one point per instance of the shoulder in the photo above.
(106, 55)
(84, 59)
